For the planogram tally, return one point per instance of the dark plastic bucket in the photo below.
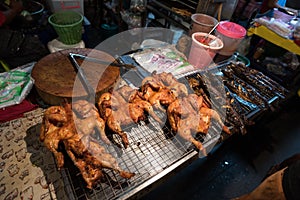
(109, 30)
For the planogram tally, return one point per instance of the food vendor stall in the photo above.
(277, 53)
(268, 34)
(39, 156)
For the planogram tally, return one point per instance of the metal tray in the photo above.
(153, 153)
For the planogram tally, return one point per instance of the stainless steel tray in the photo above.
(153, 153)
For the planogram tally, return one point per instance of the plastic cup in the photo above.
(202, 23)
(202, 52)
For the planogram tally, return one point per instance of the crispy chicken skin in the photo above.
(74, 126)
(88, 120)
(54, 119)
(122, 108)
(188, 116)
(54, 116)
(79, 125)
(162, 89)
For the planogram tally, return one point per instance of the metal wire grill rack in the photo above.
(152, 150)
(271, 97)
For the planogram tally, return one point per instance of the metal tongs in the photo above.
(73, 56)
(83, 78)
(89, 89)
(86, 84)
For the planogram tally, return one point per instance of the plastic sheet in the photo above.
(15, 85)
(163, 59)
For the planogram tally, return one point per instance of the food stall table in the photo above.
(154, 154)
(280, 56)
(269, 35)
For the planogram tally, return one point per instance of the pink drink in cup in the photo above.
(203, 50)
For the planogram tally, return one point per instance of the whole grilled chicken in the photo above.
(122, 108)
(162, 89)
(90, 157)
(184, 118)
(73, 125)
(188, 116)
(88, 120)
(170, 82)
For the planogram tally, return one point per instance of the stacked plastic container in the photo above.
(231, 34)
(71, 5)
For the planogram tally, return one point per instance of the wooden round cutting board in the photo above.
(56, 79)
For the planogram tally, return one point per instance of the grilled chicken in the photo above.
(90, 157)
(88, 120)
(162, 89)
(188, 116)
(170, 82)
(74, 125)
(54, 119)
(122, 108)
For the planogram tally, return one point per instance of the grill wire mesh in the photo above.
(247, 111)
(152, 149)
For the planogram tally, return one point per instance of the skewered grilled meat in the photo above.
(250, 78)
(243, 89)
(220, 96)
(258, 79)
(234, 113)
(281, 91)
